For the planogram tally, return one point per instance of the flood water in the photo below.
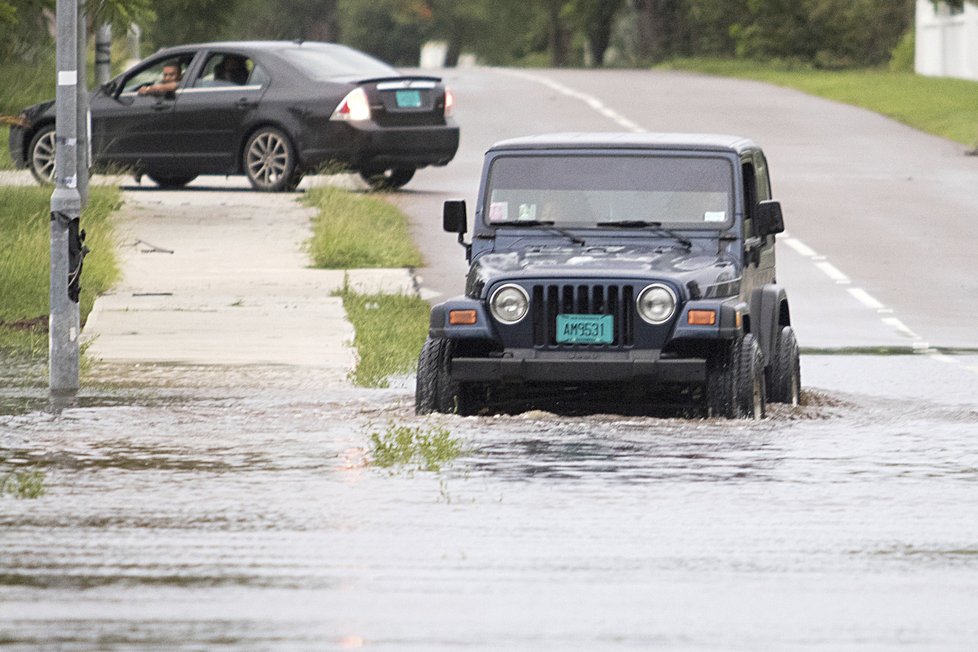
(200, 509)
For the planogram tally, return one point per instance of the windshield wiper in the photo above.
(656, 226)
(549, 226)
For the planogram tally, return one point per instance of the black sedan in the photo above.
(273, 111)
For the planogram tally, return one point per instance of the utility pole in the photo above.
(82, 103)
(64, 321)
(103, 54)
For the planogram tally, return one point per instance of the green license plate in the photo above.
(408, 99)
(585, 329)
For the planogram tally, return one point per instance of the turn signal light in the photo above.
(462, 317)
(702, 317)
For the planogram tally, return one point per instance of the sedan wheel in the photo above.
(387, 179)
(42, 154)
(270, 161)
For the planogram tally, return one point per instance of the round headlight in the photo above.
(656, 304)
(509, 304)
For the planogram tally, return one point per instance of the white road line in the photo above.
(866, 299)
(833, 272)
(590, 100)
(799, 247)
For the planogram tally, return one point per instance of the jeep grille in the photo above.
(547, 301)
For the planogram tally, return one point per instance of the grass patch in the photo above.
(22, 484)
(937, 105)
(25, 264)
(353, 231)
(427, 449)
(6, 163)
(390, 330)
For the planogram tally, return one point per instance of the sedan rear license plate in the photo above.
(585, 329)
(408, 99)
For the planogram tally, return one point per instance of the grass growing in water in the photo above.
(938, 105)
(429, 449)
(25, 263)
(354, 231)
(390, 330)
(22, 484)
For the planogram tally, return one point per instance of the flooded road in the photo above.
(192, 508)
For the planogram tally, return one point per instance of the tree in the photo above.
(595, 18)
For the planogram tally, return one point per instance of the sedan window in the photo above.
(153, 74)
(328, 61)
(226, 70)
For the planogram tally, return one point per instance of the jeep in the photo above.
(640, 264)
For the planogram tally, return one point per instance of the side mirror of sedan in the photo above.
(769, 219)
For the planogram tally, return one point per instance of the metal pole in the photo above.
(65, 207)
(103, 54)
(82, 103)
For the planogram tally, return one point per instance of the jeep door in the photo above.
(759, 262)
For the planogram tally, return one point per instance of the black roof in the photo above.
(628, 140)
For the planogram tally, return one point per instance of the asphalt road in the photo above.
(882, 219)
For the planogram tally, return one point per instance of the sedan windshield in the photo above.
(603, 190)
(319, 62)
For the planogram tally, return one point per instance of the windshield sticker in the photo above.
(715, 216)
(527, 212)
(499, 211)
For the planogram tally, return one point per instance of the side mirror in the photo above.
(768, 219)
(454, 217)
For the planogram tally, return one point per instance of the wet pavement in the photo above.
(208, 508)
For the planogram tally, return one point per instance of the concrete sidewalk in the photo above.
(218, 275)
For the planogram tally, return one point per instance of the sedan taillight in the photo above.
(355, 106)
(449, 102)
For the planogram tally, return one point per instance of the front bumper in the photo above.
(528, 365)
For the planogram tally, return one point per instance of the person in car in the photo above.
(171, 79)
(231, 70)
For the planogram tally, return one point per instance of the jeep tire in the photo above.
(735, 386)
(751, 394)
(721, 380)
(784, 372)
(435, 391)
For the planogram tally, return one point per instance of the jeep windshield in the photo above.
(592, 191)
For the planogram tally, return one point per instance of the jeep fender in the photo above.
(768, 313)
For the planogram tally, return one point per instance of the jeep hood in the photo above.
(702, 276)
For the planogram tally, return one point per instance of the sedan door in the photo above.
(215, 107)
(135, 131)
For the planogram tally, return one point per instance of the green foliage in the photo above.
(22, 484)
(902, 57)
(359, 231)
(25, 265)
(390, 330)
(426, 449)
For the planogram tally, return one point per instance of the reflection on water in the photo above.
(207, 512)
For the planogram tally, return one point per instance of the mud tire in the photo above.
(435, 391)
(425, 389)
(784, 372)
(721, 380)
(751, 386)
